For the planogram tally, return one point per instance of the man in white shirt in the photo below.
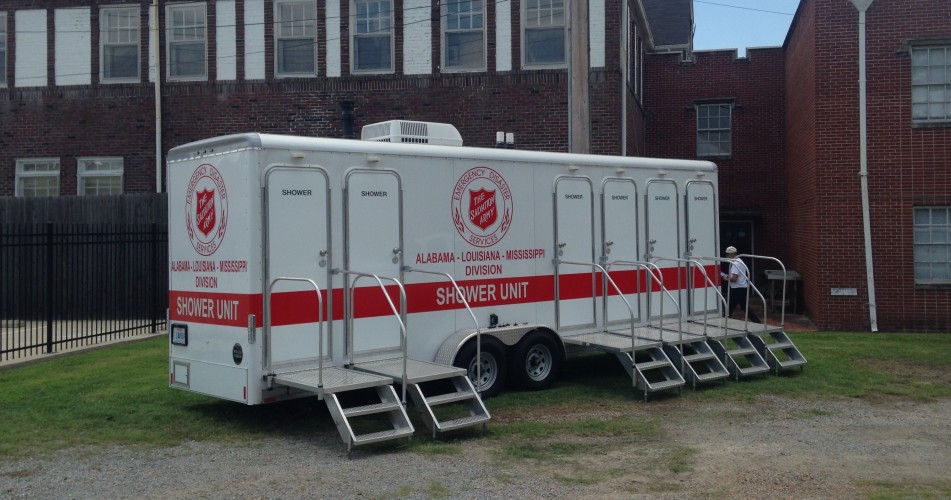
(739, 285)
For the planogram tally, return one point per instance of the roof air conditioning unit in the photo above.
(406, 131)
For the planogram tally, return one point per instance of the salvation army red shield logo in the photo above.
(483, 211)
(482, 206)
(206, 209)
(205, 216)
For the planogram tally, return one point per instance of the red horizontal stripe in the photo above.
(288, 308)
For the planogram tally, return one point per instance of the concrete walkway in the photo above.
(29, 359)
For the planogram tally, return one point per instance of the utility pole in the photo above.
(579, 135)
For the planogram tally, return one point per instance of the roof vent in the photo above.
(406, 131)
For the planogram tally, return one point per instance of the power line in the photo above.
(744, 8)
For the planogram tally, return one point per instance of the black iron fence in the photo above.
(70, 285)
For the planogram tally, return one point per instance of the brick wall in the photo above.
(118, 120)
(751, 180)
(907, 166)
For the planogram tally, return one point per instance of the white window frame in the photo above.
(932, 245)
(201, 23)
(4, 49)
(104, 167)
(931, 84)
(356, 25)
(135, 39)
(706, 129)
(537, 21)
(295, 31)
(26, 169)
(453, 24)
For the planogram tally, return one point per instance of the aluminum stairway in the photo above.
(697, 362)
(779, 350)
(443, 395)
(372, 395)
(644, 359)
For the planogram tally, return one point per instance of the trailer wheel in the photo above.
(536, 362)
(492, 378)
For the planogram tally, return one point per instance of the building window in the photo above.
(463, 35)
(3, 49)
(99, 176)
(933, 245)
(187, 54)
(119, 44)
(372, 47)
(714, 135)
(931, 84)
(37, 177)
(543, 33)
(295, 31)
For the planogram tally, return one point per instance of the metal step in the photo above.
(359, 411)
(744, 351)
(665, 384)
(460, 423)
(389, 405)
(706, 377)
(788, 354)
(658, 363)
(702, 365)
(447, 398)
(703, 356)
(376, 437)
(462, 398)
(652, 365)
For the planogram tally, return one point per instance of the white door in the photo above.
(662, 232)
(701, 214)
(297, 238)
(619, 213)
(373, 245)
(575, 295)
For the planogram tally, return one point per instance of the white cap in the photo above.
(730, 249)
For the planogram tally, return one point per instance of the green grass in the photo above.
(120, 396)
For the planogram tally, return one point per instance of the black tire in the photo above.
(536, 362)
(494, 366)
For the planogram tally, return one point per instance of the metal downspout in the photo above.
(158, 97)
(862, 6)
(625, 58)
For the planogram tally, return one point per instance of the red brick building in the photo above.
(793, 175)
(78, 110)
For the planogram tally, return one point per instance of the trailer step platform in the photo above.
(696, 361)
(443, 395)
(739, 355)
(651, 370)
(374, 396)
(715, 323)
(779, 351)
(615, 342)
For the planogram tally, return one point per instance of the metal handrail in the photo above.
(320, 326)
(708, 281)
(659, 276)
(782, 311)
(465, 302)
(630, 309)
(749, 280)
(400, 314)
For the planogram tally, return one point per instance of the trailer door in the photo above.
(620, 228)
(701, 214)
(663, 231)
(297, 237)
(575, 294)
(373, 212)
